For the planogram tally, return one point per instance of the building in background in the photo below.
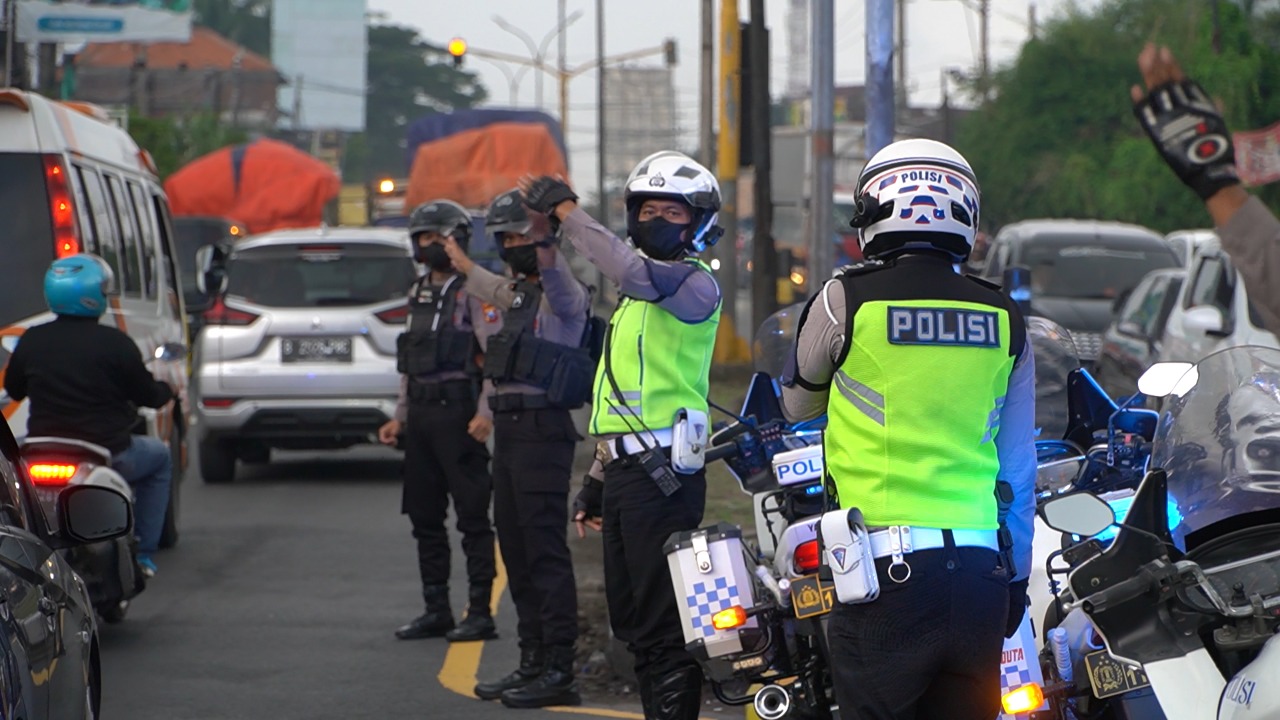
(207, 74)
(321, 47)
(639, 120)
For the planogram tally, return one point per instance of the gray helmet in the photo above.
(443, 216)
(507, 214)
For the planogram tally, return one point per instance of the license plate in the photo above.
(315, 349)
(811, 598)
(1108, 676)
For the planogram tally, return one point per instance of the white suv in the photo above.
(298, 351)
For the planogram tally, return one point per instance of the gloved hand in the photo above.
(545, 193)
(1186, 127)
(588, 506)
(1017, 606)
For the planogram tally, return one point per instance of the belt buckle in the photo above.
(604, 451)
(899, 545)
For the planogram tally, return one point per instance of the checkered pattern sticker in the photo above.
(1013, 677)
(707, 601)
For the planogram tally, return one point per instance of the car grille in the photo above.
(1088, 344)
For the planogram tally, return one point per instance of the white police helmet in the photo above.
(675, 176)
(917, 195)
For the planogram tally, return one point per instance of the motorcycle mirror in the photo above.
(1057, 475)
(1168, 378)
(1082, 514)
(171, 351)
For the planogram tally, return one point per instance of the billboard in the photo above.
(55, 21)
(639, 116)
(320, 47)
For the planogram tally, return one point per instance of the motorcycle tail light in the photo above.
(1023, 700)
(807, 557)
(730, 618)
(47, 473)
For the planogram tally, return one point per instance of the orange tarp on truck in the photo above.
(265, 184)
(473, 166)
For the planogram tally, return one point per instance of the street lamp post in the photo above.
(538, 51)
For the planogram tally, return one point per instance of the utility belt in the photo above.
(850, 550)
(515, 402)
(443, 391)
(624, 446)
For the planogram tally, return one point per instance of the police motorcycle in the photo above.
(1186, 598)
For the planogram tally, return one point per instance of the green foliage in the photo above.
(246, 22)
(1059, 138)
(174, 142)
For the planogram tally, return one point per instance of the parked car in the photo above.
(1187, 242)
(1134, 339)
(1078, 268)
(49, 658)
(299, 346)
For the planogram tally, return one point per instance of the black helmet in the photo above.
(443, 216)
(507, 214)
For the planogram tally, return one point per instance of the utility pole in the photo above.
(1031, 20)
(10, 20)
(707, 88)
(984, 15)
(560, 66)
(946, 108)
(764, 259)
(901, 52)
(727, 156)
(879, 97)
(602, 199)
(822, 117)
(1217, 30)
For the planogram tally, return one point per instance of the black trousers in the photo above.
(441, 461)
(532, 467)
(926, 648)
(638, 519)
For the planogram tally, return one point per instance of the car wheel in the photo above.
(217, 461)
(169, 534)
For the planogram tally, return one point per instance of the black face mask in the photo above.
(523, 259)
(434, 256)
(660, 239)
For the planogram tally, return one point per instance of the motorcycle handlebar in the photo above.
(726, 448)
(1120, 592)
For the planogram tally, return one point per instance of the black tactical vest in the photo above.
(516, 354)
(432, 343)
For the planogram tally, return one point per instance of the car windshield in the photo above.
(309, 276)
(1092, 267)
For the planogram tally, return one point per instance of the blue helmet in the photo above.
(79, 285)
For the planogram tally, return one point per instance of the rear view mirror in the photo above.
(1205, 319)
(1080, 514)
(1168, 378)
(90, 513)
(171, 351)
(211, 276)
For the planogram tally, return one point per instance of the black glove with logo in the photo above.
(590, 499)
(1017, 606)
(546, 193)
(1186, 127)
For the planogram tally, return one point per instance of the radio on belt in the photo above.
(710, 573)
(798, 466)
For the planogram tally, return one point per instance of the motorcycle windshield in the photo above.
(775, 340)
(1219, 441)
(1056, 356)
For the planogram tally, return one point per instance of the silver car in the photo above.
(299, 350)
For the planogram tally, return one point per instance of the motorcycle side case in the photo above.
(709, 573)
(1254, 691)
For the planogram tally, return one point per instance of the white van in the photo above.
(71, 180)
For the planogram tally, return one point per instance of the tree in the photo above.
(245, 22)
(174, 142)
(1059, 138)
(408, 78)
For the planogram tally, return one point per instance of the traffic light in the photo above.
(457, 48)
(669, 52)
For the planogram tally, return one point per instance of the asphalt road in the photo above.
(280, 600)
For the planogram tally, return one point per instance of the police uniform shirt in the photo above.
(820, 341)
(562, 313)
(469, 314)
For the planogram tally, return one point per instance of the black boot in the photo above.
(436, 621)
(555, 686)
(533, 661)
(677, 695)
(478, 624)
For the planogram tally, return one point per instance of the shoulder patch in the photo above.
(943, 326)
(490, 313)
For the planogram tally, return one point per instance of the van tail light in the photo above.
(51, 473)
(217, 403)
(807, 557)
(66, 241)
(220, 314)
(394, 316)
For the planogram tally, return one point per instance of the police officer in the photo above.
(445, 427)
(540, 371)
(928, 383)
(662, 332)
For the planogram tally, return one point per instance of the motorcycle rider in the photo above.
(86, 381)
(928, 383)
(445, 423)
(545, 313)
(666, 325)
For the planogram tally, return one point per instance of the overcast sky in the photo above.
(940, 33)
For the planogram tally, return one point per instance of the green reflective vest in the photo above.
(914, 411)
(660, 364)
